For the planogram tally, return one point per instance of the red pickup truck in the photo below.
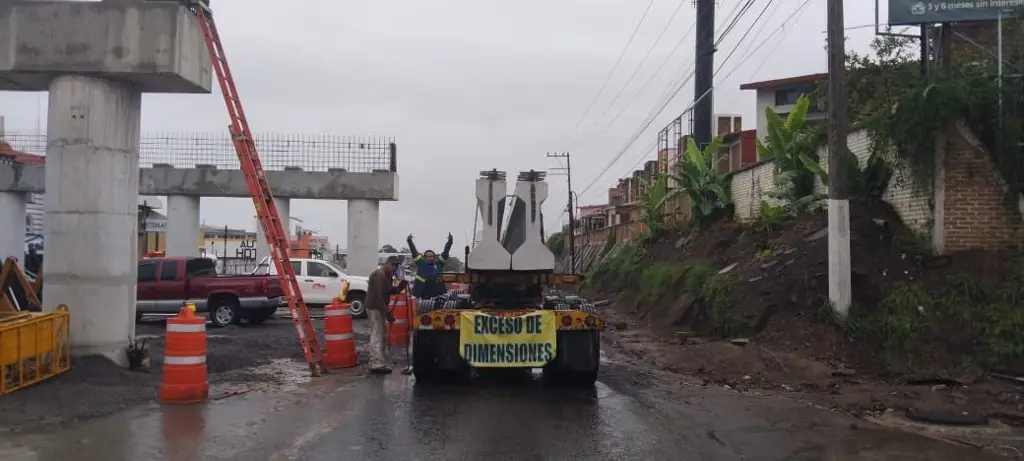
(165, 284)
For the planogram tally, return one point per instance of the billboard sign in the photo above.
(905, 12)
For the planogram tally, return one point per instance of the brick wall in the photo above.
(975, 211)
(753, 184)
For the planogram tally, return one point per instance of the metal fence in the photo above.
(233, 266)
(306, 152)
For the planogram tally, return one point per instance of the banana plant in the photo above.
(698, 178)
(652, 202)
(792, 145)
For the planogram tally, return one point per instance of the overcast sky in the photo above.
(470, 85)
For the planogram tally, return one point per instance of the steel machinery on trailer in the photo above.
(506, 319)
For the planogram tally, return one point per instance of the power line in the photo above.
(735, 20)
(616, 66)
(785, 21)
(650, 118)
(636, 71)
(798, 12)
(789, 18)
(680, 74)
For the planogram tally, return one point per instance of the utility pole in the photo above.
(925, 49)
(572, 214)
(703, 95)
(839, 288)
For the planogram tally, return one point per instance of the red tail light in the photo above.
(425, 320)
(449, 320)
(566, 321)
(590, 321)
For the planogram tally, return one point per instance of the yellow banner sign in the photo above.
(495, 341)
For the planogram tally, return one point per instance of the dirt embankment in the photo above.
(747, 307)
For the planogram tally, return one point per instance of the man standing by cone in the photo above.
(378, 295)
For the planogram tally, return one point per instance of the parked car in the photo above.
(165, 284)
(321, 281)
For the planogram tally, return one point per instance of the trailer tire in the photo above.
(424, 358)
(583, 379)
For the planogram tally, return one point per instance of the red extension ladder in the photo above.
(259, 188)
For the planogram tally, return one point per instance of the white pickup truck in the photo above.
(321, 281)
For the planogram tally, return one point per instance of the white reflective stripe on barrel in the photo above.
(337, 312)
(399, 321)
(197, 360)
(339, 337)
(185, 327)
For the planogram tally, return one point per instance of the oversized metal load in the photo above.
(505, 320)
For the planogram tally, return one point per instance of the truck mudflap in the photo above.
(536, 338)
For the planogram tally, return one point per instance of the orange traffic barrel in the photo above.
(339, 339)
(399, 333)
(184, 379)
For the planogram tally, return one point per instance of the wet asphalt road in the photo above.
(633, 414)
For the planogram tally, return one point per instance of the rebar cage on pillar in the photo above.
(306, 152)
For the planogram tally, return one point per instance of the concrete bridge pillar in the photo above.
(182, 225)
(363, 236)
(284, 207)
(91, 205)
(12, 225)
(107, 54)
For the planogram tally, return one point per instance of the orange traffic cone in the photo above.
(399, 331)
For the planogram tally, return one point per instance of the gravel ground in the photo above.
(97, 387)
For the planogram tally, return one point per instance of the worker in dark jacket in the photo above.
(429, 269)
(379, 289)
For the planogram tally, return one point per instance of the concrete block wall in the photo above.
(756, 183)
(750, 186)
(975, 212)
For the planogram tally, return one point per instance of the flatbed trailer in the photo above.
(505, 320)
(570, 356)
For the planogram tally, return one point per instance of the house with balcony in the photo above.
(781, 95)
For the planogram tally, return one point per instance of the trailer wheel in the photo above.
(424, 358)
(583, 379)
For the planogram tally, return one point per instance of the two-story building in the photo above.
(781, 95)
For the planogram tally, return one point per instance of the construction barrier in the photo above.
(33, 347)
(399, 331)
(184, 379)
(339, 339)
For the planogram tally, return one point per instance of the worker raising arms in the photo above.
(429, 269)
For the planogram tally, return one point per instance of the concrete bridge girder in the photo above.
(210, 182)
(96, 59)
